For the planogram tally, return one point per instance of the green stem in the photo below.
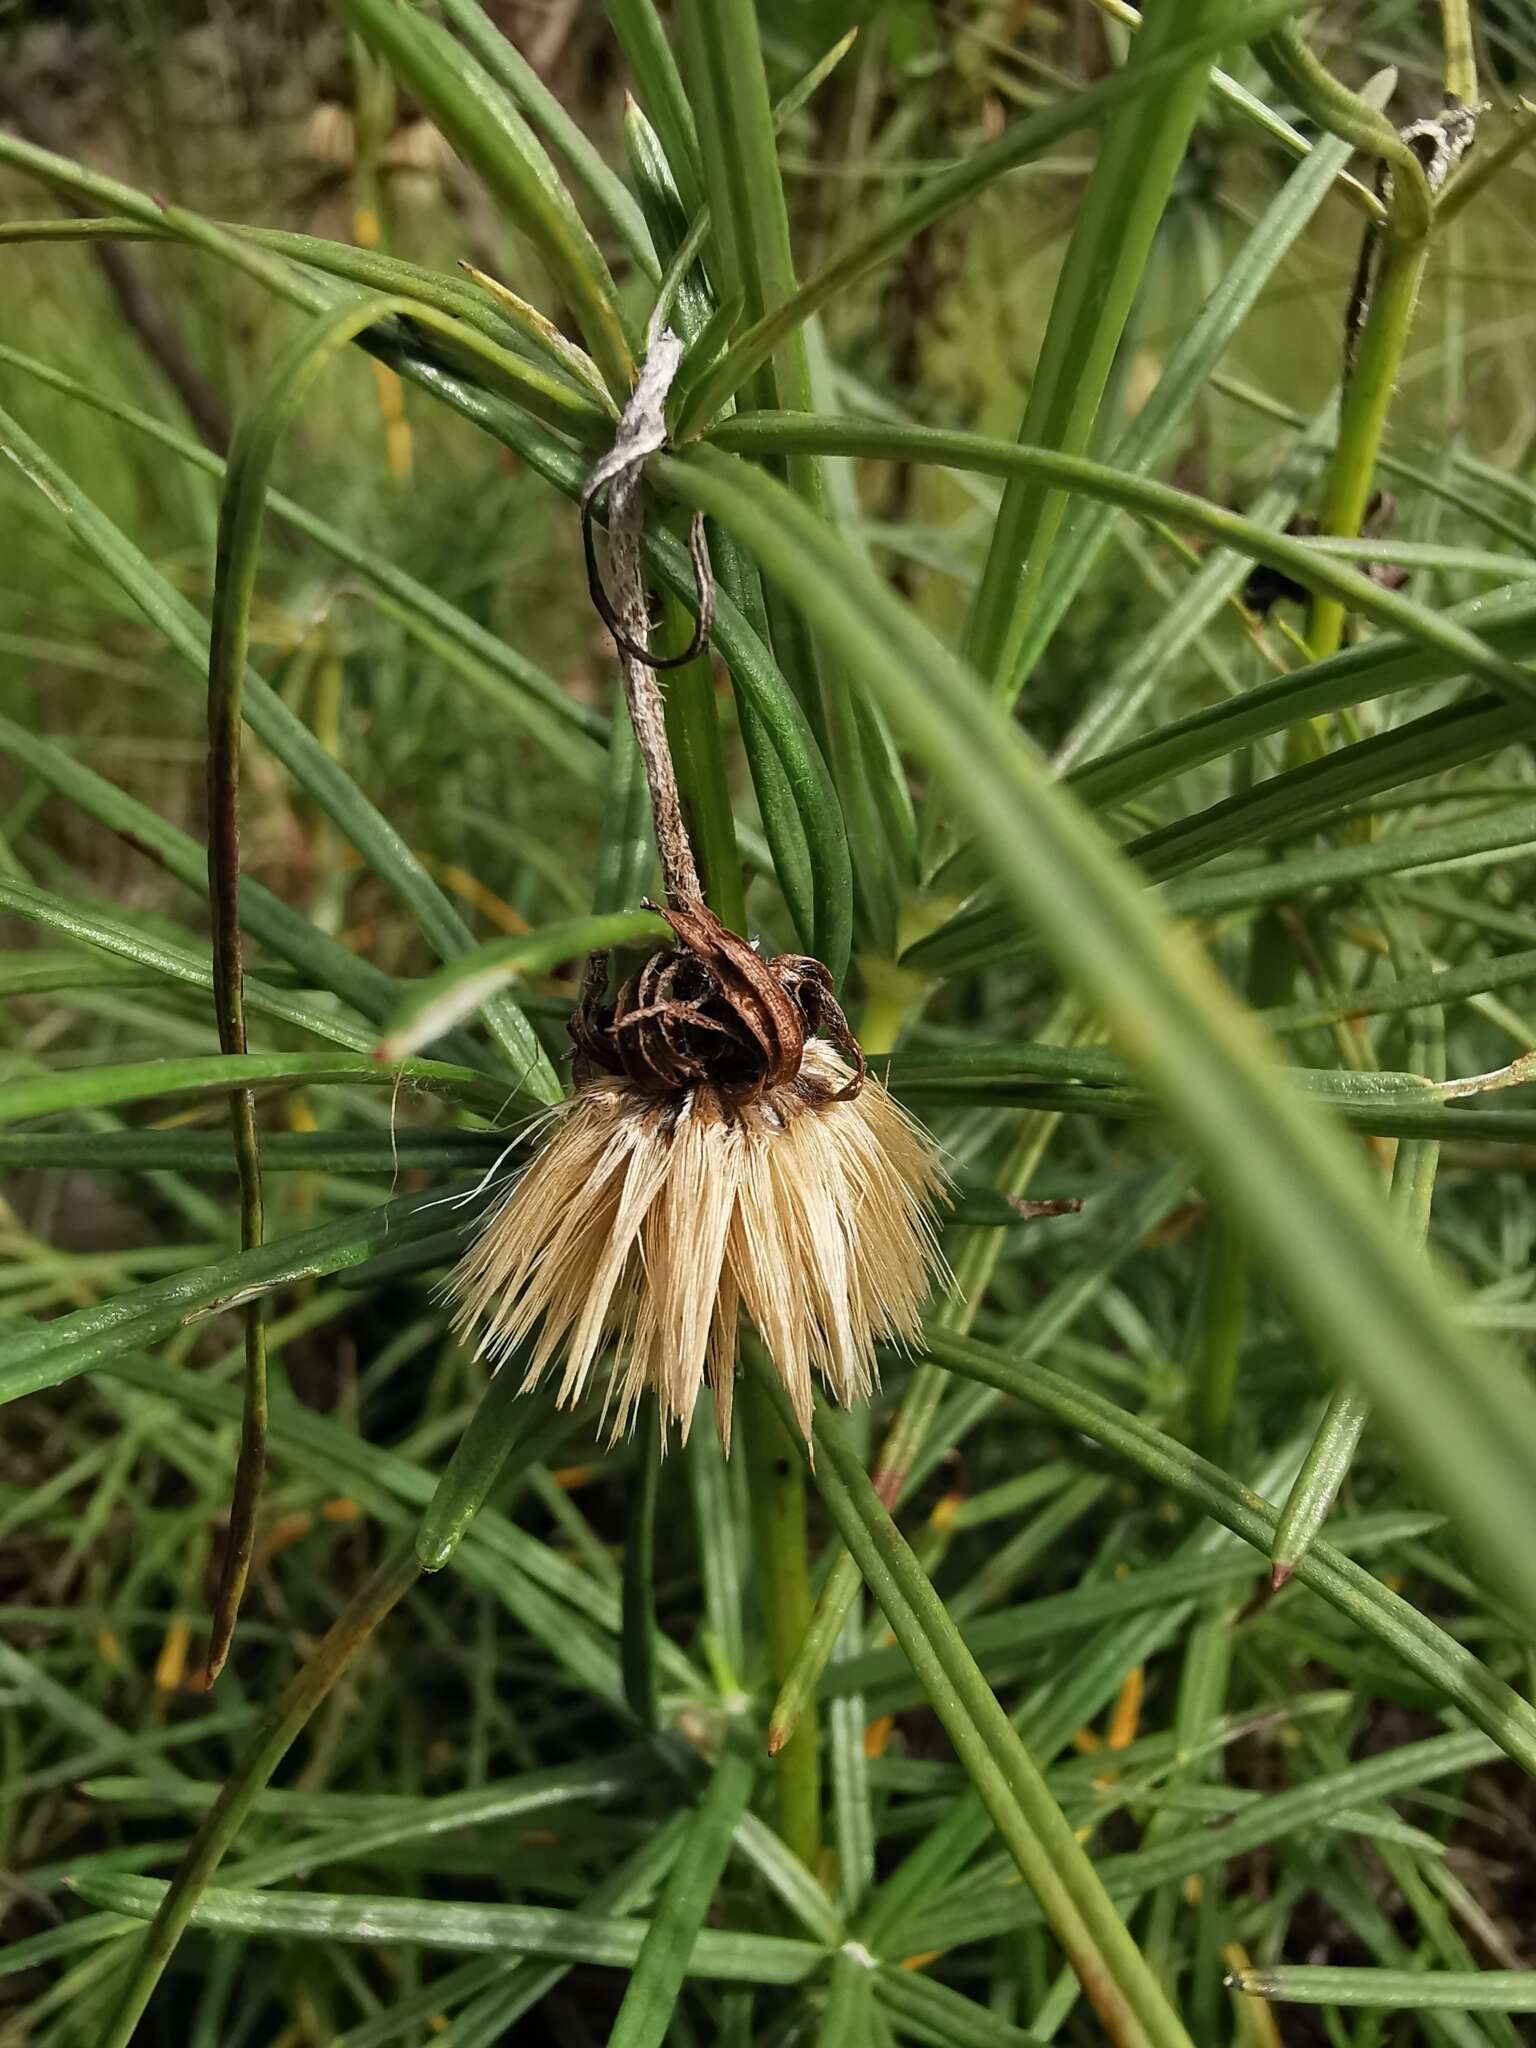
(693, 733)
(776, 1493)
(1460, 53)
(973, 1266)
(1225, 1299)
(1284, 54)
(750, 254)
(1363, 414)
(1130, 2003)
(639, 1617)
(358, 1619)
(1398, 254)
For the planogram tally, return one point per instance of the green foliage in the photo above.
(1222, 931)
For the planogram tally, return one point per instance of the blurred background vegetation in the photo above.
(110, 1499)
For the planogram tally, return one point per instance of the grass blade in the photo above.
(940, 196)
(39, 1355)
(1139, 156)
(725, 1957)
(511, 70)
(1393, 1990)
(488, 132)
(673, 1935)
(176, 1904)
(1127, 1998)
(1465, 1421)
(760, 434)
(1438, 1658)
(456, 991)
(290, 740)
(163, 958)
(640, 1629)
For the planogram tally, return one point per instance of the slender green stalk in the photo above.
(1363, 414)
(650, 1999)
(488, 131)
(386, 1586)
(776, 1495)
(1386, 292)
(1414, 1171)
(639, 1630)
(693, 733)
(1460, 52)
(766, 433)
(1224, 1304)
(1485, 1698)
(973, 1267)
(722, 60)
(1139, 156)
(1398, 1991)
(1130, 2003)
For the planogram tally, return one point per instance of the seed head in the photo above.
(714, 1158)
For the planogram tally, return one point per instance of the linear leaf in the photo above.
(508, 1930)
(1465, 1421)
(781, 433)
(491, 135)
(678, 1921)
(458, 990)
(175, 963)
(380, 845)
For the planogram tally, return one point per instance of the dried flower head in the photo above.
(713, 1158)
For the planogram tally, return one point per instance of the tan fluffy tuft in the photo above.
(646, 1222)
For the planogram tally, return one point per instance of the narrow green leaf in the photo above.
(677, 1924)
(152, 1080)
(175, 963)
(1086, 527)
(781, 433)
(1465, 1422)
(1139, 155)
(1126, 1996)
(508, 1930)
(626, 851)
(39, 1355)
(973, 1913)
(983, 935)
(171, 1908)
(1396, 1991)
(640, 1624)
(511, 70)
(1426, 1649)
(1504, 619)
(848, 2021)
(386, 1152)
(328, 964)
(577, 399)
(929, 2011)
(722, 60)
(290, 740)
(503, 1417)
(718, 1545)
(488, 132)
(1441, 986)
(659, 89)
(456, 991)
(941, 195)
(516, 686)
(1317, 792)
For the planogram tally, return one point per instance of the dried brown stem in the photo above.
(641, 431)
(679, 870)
